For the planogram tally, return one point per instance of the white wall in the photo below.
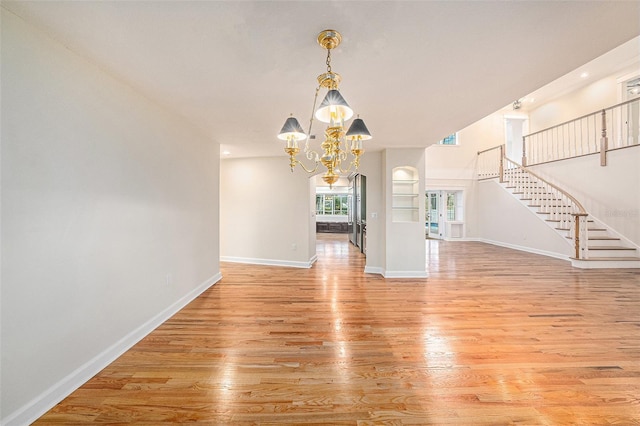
(265, 212)
(264, 209)
(599, 94)
(611, 194)
(505, 221)
(405, 241)
(109, 218)
(453, 167)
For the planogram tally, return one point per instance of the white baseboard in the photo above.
(394, 274)
(373, 270)
(526, 249)
(35, 408)
(459, 239)
(405, 274)
(270, 262)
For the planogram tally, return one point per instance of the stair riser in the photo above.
(612, 253)
(592, 234)
(605, 243)
(605, 264)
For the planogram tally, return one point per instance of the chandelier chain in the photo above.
(328, 62)
(306, 142)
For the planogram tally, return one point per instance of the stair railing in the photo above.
(489, 163)
(559, 206)
(599, 132)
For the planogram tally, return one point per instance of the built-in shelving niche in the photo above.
(405, 195)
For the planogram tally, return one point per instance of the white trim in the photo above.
(405, 274)
(455, 239)
(526, 249)
(576, 263)
(605, 264)
(270, 262)
(394, 274)
(374, 270)
(39, 405)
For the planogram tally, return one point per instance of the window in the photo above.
(328, 204)
(449, 140)
(451, 206)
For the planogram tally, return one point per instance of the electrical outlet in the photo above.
(168, 281)
(294, 247)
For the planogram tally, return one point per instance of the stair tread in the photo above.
(610, 248)
(600, 238)
(558, 220)
(520, 192)
(611, 258)
(590, 229)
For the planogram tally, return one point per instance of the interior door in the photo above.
(632, 122)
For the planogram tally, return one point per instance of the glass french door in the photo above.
(433, 218)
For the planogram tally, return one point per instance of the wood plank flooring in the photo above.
(493, 336)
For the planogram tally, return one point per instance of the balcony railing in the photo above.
(596, 133)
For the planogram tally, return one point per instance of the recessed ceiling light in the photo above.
(584, 75)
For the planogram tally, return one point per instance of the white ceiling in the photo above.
(415, 71)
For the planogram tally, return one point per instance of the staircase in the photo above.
(594, 245)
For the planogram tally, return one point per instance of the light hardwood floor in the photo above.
(493, 336)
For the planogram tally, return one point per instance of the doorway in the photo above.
(433, 219)
(357, 221)
(515, 127)
(631, 115)
(444, 214)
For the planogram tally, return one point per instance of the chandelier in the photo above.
(340, 151)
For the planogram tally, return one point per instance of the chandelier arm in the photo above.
(354, 163)
(313, 156)
(305, 167)
(348, 169)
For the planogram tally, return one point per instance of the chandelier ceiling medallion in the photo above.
(338, 146)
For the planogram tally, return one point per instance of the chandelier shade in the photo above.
(358, 130)
(334, 108)
(291, 129)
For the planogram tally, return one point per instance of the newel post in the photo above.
(524, 152)
(604, 141)
(580, 235)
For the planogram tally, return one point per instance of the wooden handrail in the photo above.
(489, 149)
